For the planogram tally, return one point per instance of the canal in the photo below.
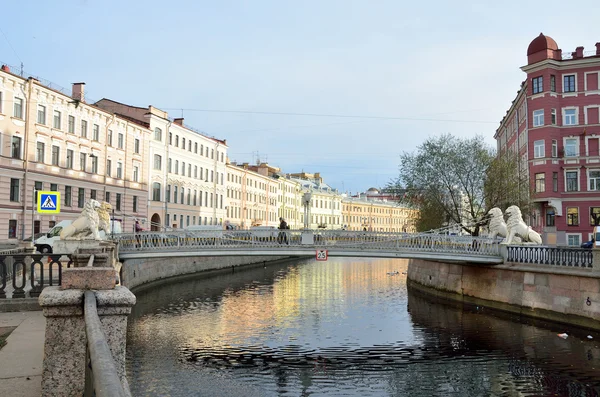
(345, 327)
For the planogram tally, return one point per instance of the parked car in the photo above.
(588, 244)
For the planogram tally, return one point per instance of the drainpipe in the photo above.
(166, 178)
(26, 155)
(108, 123)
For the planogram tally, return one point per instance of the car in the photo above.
(588, 244)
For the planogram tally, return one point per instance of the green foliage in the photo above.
(507, 183)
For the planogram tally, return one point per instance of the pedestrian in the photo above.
(138, 229)
(282, 237)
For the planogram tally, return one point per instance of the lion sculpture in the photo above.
(496, 224)
(104, 217)
(85, 225)
(517, 228)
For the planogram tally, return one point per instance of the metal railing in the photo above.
(102, 376)
(284, 240)
(28, 274)
(575, 257)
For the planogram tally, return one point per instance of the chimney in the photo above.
(78, 92)
(597, 48)
(578, 52)
(179, 121)
(5, 68)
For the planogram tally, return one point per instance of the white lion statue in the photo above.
(104, 217)
(85, 225)
(496, 224)
(517, 228)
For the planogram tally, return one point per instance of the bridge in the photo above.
(337, 243)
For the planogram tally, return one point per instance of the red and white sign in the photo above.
(321, 255)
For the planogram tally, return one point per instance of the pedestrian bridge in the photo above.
(336, 243)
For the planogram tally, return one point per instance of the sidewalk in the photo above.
(21, 358)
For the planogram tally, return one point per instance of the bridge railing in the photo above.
(279, 239)
(24, 274)
(556, 256)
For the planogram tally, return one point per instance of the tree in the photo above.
(507, 183)
(445, 179)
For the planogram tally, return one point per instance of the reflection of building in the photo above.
(53, 140)
(377, 214)
(554, 126)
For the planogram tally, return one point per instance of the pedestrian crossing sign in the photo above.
(48, 202)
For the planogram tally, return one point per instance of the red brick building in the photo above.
(553, 123)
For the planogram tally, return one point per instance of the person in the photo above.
(282, 237)
(138, 227)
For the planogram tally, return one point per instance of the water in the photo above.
(346, 327)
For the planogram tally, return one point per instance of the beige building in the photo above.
(187, 169)
(362, 213)
(51, 140)
(325, 209)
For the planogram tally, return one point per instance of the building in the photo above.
(554, 126)
(364, 212)
(53, 140)
(325, 211)
(187, 169)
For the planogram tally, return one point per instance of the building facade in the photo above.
(186, 169)
(365, 213)
(54, 141)
(554, 125)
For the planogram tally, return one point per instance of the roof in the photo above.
(541, 43)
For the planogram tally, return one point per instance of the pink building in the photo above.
(553, 123)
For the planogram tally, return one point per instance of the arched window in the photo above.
(156, 191)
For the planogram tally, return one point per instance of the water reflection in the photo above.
(344, 327)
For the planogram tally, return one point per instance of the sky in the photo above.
(340, 87)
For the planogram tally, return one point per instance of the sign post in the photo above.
(321, 255)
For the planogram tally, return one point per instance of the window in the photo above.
(120, 142)
(109, 136)
(118, 203)
(552, 83)
(67, 196)
(40, 152)
(135, 204)
(569, 116)
(195, 147)
(108, 167)
(107, 197)
(573, 240)
(554, 148)
(549, 217)
(96, 132)
(571, 179)
(119, 170)
(195, 171)
(94, 164)
(70, 159)
(157, 162)
(183, 143)
(569, 83)
(538, 118)
(14, 189)
(170, 165)
(93, 194)
(18, 108)
(168, 194)
(55, 155)
(16, 147)
(595, 216)
(175, 191)
(540, 182)
(176, 166)
(157, 134)
(136, 173)
(539, 149)
(555, 181)
(182, 195)
(57, 121)
(71, 126)
(41, 115)
(189, 170)
(201, 150)
(53, 187)
(176, 140)
(170, 138)
(83, 128)
(594, 178)
(12, 228)
(136, 146)
(182, 168)
(156, 191)
(553, 116)
(195, 197)
(538, 85)
(82, 161)
(189, 198)
(571, 147)
(212, 153)
(80, 197)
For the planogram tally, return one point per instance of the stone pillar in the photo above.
(596, 261)
(65, 348)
